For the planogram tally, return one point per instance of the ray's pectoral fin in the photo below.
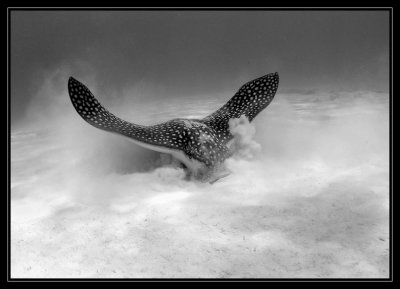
(250, 99)
(90, 109)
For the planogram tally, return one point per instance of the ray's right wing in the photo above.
(251, 98)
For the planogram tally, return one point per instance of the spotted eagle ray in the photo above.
(202, 145)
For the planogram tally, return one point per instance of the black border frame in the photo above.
(388, 9)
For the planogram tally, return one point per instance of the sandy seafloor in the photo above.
(308, 198)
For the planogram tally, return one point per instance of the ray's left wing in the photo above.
(90, 109)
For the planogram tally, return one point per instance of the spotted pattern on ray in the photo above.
(192, 137)
(251, 98)
(203, 140)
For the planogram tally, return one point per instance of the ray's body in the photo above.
(201, 145)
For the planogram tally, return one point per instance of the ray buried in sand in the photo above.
(201, 145)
